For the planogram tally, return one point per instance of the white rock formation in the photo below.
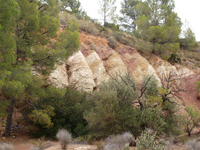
(59, 77)
(115, 65)
(183, 71)
(140, 67)
(97, 67)
(80, 74)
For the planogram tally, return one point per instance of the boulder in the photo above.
(97, 67)
(59, 77)
(162, 67)
(183, 71)
(137, 65)
(114, 64)
(80, 74)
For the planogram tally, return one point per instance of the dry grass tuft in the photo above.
(64, 138)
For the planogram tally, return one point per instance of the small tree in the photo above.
(191, 119)
(189, 40)
(129, 12)
(121, 105)
(159, 24)
(107, 10)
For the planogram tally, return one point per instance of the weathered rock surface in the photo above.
(137, 65)
(162, 67)
(114, 64)
(59, 77)
(183, 71)
(80, 74)
(97, 67)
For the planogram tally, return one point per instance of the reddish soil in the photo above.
(191, 96)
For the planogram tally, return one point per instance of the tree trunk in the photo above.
(9, 117)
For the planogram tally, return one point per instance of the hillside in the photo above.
(105, 54)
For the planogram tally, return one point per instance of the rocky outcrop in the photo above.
(162, 67)
(80, 74)
(137, 65)
(114, 64)
(59, 77)
(97, 67)
(183, 71)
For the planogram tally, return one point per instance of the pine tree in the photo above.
(107, 10)
(128, 10)
(27, 28)
(159, 24)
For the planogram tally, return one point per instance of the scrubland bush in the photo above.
(88, 27)
(147, 141)
(69, 106)
(112, 43)
(119, 142)
(120, 105)
(6, 146)
(64, 138)
(191, 119)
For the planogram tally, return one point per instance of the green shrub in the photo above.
(69, 106)
(88, 27)
(147, 141)
(112, 26)
(112, 43)
(121, 105)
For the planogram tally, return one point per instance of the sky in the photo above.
(187, 10)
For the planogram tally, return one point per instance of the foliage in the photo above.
(198, 85)
(42, 117)
(107, 10)
(28, 30)
(191, 119)
(120, 105)
(71, 6)
(112, 43)
(68, 106)
(147, 141)
(158, 23)
(112, 26)
(64, 138)
(189, 40)
(129, 14)
(3, 105)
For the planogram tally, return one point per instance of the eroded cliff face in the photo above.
(96, 62)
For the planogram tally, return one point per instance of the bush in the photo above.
(147, 141)
(88, 27)
(191, 119)
(69, 106)
(112, 43)
(121, 105)
(6, 146)
(112, 26)
(119, 142)
(64, 138)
